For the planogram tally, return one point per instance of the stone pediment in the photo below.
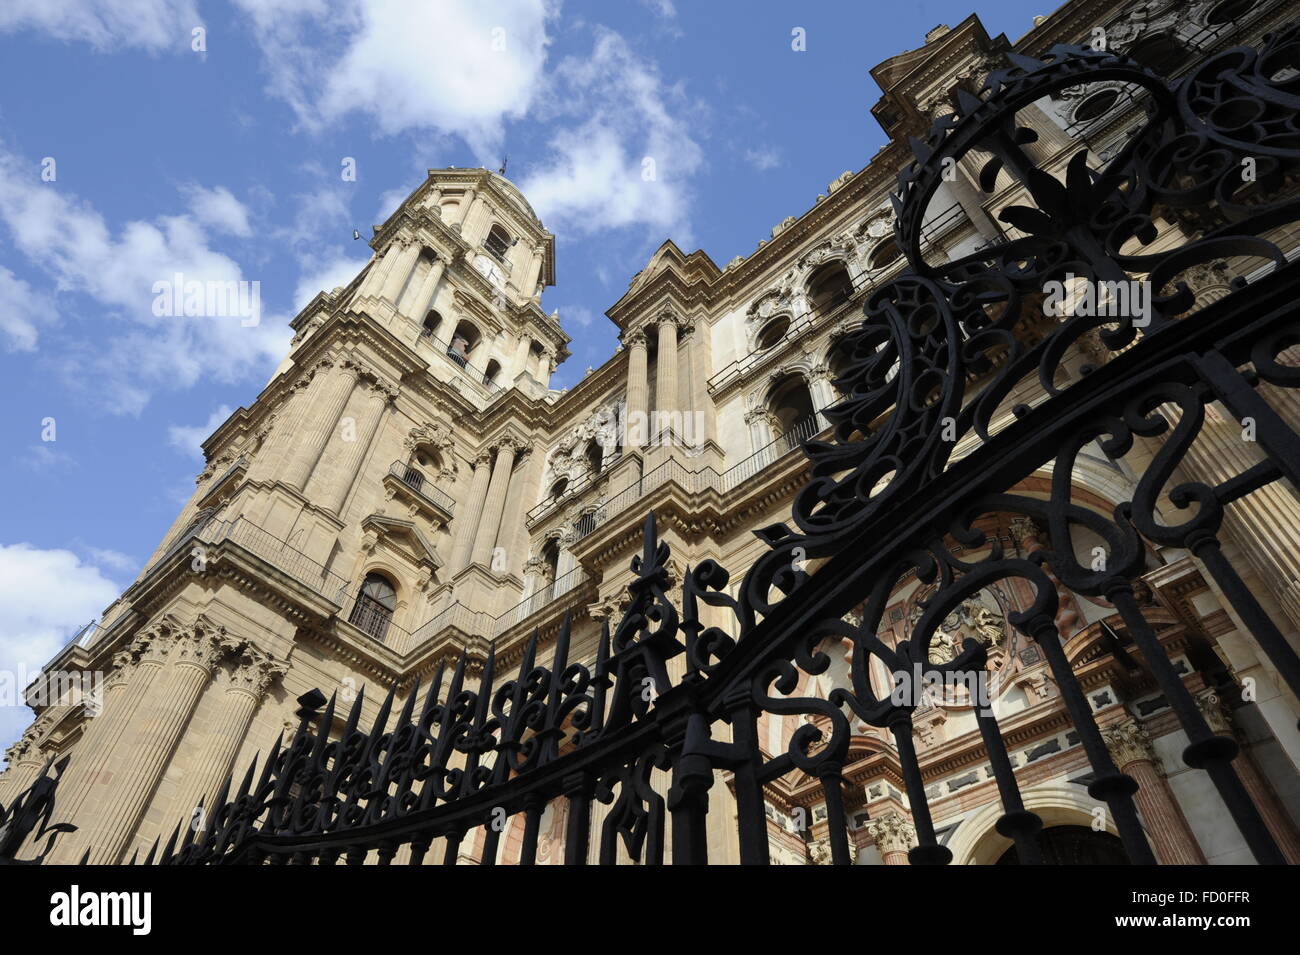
(401, 537)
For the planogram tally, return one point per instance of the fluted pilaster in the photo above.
(243, 684)
(494, 504)
(638, 391)
(354, 455)
(666, 397)
(333, 394)
(139, 763)
(468, 515)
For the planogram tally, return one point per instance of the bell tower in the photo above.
(461, 264)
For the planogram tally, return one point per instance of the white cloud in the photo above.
(335, 272)
(70, 240)
(44, 458)
(45, 597)
(189, 438)
(153, 25)
(22, 311)
(111, 559)
(462, 68)
(220, 210)
(575, 316)
(630, 159)
(763, 158)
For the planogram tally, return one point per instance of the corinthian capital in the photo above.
(253, 671)
(892, 832)
(1129, 743)
(635, 338)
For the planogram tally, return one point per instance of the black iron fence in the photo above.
(630, 746)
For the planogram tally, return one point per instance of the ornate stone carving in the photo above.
(1217, 715)
(892, 832)
(1129, 743)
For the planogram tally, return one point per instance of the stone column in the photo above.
(326, 408)
(1279, 824)
(494, 504)
(85, 787)
(894, 835)
(139, 765)
(355, 453)
(521, 355)
(25, 759)
(1171, 837)
(638, 424)
(421, 300)
(513, 535)
(243, 684)
(473, 214)
(468, 513)
(374, 279)
(395, 281)
(1263, 523)
(665, 376)
(287, 417)
(700, 403)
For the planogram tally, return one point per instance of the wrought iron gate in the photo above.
(941, 349)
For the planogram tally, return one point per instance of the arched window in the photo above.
(1074, 845)
(463, 340)
(595, 456)
(772, 332)
(1161, 54)
(1096, 106)
(490, 373)
(829, 287)
(791, 408)
(558, 488)
(884, 255)
(376, 601)
(838, 360)
(1228, 11)
(498, 243)
(551, 565)
(431, 322)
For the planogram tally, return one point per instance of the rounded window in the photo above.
(1095, 106)
(773, 332)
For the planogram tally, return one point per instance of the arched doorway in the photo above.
(1074, 845)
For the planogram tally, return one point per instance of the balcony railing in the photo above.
(415, 479)
(490, 627)
(371, 617)
(281, 555)
(705, 479)
(531, 604)
(478, 375)
(741, 367)
(540, 510)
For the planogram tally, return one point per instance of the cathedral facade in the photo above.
(409, 487)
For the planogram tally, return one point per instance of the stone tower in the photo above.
(372, 491)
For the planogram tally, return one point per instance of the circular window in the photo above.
(1228, 11)
(1095, 106)
(773, 332)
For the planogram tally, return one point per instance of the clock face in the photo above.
(490, 270)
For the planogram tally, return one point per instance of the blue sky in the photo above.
(225, 163)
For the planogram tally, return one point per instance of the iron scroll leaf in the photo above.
(905, 401)
(29, 815)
